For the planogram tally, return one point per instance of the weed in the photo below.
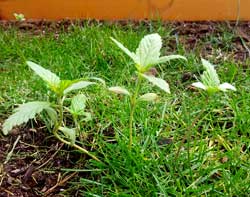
(55, 111)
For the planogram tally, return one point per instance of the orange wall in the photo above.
(127, 9)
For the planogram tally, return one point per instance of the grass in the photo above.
(217, 163)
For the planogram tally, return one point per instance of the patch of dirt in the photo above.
(35, 167)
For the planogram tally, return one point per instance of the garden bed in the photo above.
(40, 165)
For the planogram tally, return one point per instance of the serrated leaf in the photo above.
(69, 133)
(24, 113)
(209, 76)
(170, 57)
(77, 86)
(78, 104)
(148, 51)
(52, 114)
(125, 50)
(162, 84)
(119, 90)
(149, 97)
(99, 79)
(87, 117)
(50, 78)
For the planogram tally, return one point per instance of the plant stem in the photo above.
(57, 126)
(76, 146)
(133, 101)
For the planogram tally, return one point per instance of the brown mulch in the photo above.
(36, 167)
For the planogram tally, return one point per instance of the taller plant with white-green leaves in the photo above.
(145, 57)
(55, 111)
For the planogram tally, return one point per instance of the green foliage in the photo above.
(149, 97)
(29, 110)
(78, 104)
(24, 113)
(160, 83)
(147, 55)
(151, 168)
(210, 80)
(119, 90)
(77, 86)
(51, 79)
(19, 17)
(69, 133)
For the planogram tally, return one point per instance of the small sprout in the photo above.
(78, 105)
(119, 90)
(148, 53)
(19, 17)
(210, 80)
(149, 97)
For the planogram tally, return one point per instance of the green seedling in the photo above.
(55, 111)
(19, 17)
(210, 81)
(146, 56)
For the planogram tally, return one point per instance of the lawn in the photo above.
(185, 143)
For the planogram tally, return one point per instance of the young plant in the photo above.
(55, 111)
(19, 17)
(147, 55)
(209, 82)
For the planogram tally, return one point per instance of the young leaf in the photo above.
(78, 85)
(77, 106)
(24, 113)
(199, 85)
(226, 86)
(87, 117)
(99, 79)
(52, 114)
(125, 50)
(210, 80)
(69, 133)
(148, 51)
(149, 97)
(162, 84)
(210, 76)
(50, 78)
(119, 90)
(170, 57)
